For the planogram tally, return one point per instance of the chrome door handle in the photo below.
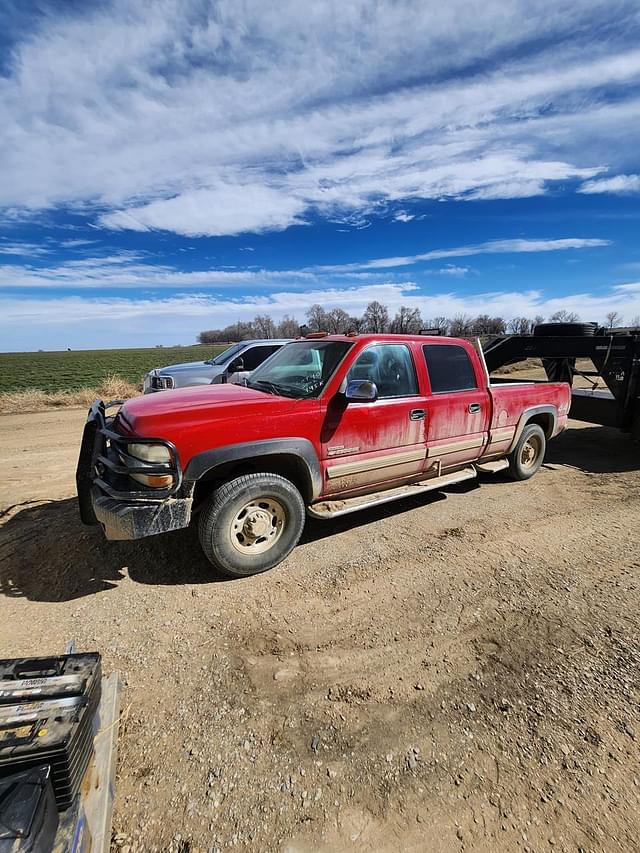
(417, 414)
(474, 408)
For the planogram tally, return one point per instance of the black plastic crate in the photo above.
(53, 723)
(28, 813)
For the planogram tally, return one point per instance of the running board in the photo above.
(493, 466)
(334, 509)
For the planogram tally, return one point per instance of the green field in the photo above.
(63, 371)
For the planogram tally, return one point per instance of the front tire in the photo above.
(528, 455)
(251, 524)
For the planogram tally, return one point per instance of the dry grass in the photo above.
(114, 387)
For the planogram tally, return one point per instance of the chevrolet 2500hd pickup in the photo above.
(328, 425)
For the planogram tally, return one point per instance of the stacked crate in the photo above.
(47, 708)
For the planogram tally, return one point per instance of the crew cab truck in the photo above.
(328, 425)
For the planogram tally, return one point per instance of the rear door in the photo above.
(376, 442)
(458, 406)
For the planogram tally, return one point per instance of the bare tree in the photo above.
(288, 327)
(460, 325)
(264, 326)
(209, 336)
(337, 321)
(485, 325)
(317, 318)
(376, 317)
(613, 320)
(520, 326)
(635, 322)
(355, 324)
(441, 324)
(563, 316)
(538, 320)
(407, 321)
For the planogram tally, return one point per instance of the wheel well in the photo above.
(544, 420)
(286, 465)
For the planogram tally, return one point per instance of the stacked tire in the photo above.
(562, 369)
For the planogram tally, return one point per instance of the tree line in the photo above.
(376, 318)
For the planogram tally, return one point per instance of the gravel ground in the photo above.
(458, 671)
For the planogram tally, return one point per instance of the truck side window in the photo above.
(391, 368)
(450, 368)
(254, 356)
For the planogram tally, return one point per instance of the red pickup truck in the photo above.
(327, 425)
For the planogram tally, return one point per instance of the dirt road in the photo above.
(456, 672)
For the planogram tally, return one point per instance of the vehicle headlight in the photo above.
(150, 452)
(158, 453)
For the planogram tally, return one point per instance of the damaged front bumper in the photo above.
(135, 519)
(106, 494)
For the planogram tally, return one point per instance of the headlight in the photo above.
(151, 453)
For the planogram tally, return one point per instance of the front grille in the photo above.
(105, 462)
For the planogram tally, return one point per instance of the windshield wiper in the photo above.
(271, 387)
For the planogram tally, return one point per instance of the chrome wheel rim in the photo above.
(257, 526)
(530, 451)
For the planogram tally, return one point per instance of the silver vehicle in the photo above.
(234, 365)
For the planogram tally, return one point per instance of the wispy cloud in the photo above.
(212, 119)
(492, 247)
(77, 244)
(26, 250)
(129, 269)
(620, 184)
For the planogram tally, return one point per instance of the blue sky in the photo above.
(173, 166)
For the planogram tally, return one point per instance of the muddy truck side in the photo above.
(327, 426)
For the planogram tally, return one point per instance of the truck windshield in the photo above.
(299, 369)
(225, 355)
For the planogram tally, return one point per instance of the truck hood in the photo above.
(156, 415)
(191, 367)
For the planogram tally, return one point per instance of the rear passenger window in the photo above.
(254, 357)
(450, 368)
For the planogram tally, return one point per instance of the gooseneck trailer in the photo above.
(615, 356)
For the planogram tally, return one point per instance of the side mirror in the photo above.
(236, 365)
(361, 391)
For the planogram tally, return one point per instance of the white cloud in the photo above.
(492, 247)
(77, 244)
(82, 322)
(403, 216)
(450, 269)
(619, 184)
(225, 209)
(27, 250)
(229, 118)
(128, 269)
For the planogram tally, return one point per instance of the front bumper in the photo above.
(108, 496)
(135, 520)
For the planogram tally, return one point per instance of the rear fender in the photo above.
(546, 416)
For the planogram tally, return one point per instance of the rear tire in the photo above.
(251, 524)
(528, 455)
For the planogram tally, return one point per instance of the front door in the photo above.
(370, 443)
(458, 407)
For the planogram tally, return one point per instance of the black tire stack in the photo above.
(562, 369)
